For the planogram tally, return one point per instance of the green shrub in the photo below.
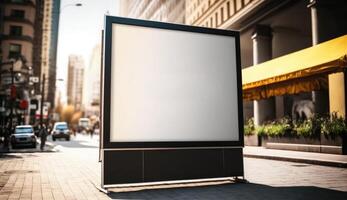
(304, 128)
(249, 128)
(276, 129)
(308, 128)
(334, 126)
(260, 130)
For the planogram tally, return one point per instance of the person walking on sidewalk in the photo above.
(43, 136)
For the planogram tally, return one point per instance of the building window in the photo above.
(222, 14)
(216, 19)
(228, 9)
(18, 13)
(16, 30)
(17, 1)
(15, 50)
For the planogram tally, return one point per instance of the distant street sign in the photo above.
(34, 79)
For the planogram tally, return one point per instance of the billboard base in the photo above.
(146, 166)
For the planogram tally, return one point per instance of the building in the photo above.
(17, 29)
(18, 41)
(270, 29)
(156, 10)
(50, 24)
(75, 81)
(91, 86)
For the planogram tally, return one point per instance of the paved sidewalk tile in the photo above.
(74, 173)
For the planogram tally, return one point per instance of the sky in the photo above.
(79, 31)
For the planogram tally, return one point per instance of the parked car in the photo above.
(60, 130)
(84, 126)
(23, 136)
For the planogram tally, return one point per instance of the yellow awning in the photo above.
(301, 71)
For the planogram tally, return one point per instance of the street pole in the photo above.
(12, 85)
(9, 129)
(42, 99)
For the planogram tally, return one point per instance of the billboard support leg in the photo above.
(102, 189)
(237, 179)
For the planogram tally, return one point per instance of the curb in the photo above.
(299, 160)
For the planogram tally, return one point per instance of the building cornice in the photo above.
(24, 38)
(25, 3)
(19, 20)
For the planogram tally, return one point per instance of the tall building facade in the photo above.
(50, 24)
(17, 29)
(91, 86)
(75, 81)
(18, 44)
(268, 29)
(156, 10)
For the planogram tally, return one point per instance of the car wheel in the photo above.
(53, 138)
(13, 146)
(68, 139)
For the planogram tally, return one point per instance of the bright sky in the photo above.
(79, 31)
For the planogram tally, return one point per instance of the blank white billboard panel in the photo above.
(170, 85)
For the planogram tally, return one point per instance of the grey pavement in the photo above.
(296, 156)
(73, 172)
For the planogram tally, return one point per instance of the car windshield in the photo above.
(61, 127)
(22, 130)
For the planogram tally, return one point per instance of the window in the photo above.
(216, 19)
(15, 50)
(222, 14)
(18, 14)
(228, 9)
(17, 1)
(16, 30)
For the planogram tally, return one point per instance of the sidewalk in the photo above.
(296, 156)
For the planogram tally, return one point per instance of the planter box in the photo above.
(322, 144)
(252, 140)
(291, 140)
(326, 140)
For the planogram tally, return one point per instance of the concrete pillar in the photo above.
(264, 109)
(327, 23)
(337, 94)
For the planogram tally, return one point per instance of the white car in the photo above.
(23, 136)
(60, 130)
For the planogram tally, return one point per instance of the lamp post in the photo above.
(42, 98)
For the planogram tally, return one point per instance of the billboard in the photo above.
(171, 85)
(168, 86)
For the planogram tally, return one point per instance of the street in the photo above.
(72, 171)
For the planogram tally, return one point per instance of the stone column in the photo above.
(328, 23)
(262, 51)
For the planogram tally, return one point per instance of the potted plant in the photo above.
(334, 132)
(251, 138)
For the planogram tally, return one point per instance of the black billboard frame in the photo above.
(106, 84)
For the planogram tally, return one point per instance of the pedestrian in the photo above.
(8, 132)
(92, 131)
(43, 136)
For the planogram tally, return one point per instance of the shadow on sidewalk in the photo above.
(235, 191)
